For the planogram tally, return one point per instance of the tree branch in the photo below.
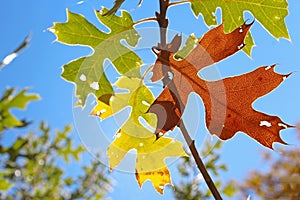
(200, 164)
(163, 25)
(164, 57)
(163, 21)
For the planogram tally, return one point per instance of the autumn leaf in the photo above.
(270, 14)
(88, 72)
(133, 134)
(228, 102)
(10, 100)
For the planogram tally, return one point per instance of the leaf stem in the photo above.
(145, 20)
(178, 2)
(164, 57)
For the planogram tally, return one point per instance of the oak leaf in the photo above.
(88, 72)
(133, 134)
(228, 102)
(270, 14)
(11, 100)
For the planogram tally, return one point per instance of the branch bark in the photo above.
(164, 57)
(210, 183)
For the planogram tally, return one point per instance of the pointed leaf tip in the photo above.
(228, 102)
(159, 178)
(87, 73)
(150, 161)
(232, 15)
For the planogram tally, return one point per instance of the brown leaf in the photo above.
(215, 45)
(228, 102)
(238, 114)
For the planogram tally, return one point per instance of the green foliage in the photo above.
(269, 13)
(33, 167)
(190, 43)
(4, 184)
(191, 184)
(11, 100)
(88, 72)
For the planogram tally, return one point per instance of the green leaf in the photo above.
(33, 161)
(69, 181)
(190, 43)
(4, 184)
(19, 143)
(64, 144)
(270, 13)
(223, 167)
(88, 72)
(230, 189)
(8, 101)
(134, 135)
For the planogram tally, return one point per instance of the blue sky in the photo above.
(39, 67)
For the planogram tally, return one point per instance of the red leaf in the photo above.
(228, 102)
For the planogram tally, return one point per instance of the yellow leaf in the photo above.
(151, 153)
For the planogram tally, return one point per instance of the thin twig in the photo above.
(164, 58)
(177, 3)
(145, 20)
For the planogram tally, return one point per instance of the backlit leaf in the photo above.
(133, 134)
(10, 100)
(190, 44)
(88, 72)
(270, 13)
(228, 102)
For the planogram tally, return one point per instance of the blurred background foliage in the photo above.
(34, 165)
(281, 179)
(192, 185)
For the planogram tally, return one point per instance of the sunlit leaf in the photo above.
(228, 102)
(88, 72)
(11, 100)
(271, 14)
(134, 135)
